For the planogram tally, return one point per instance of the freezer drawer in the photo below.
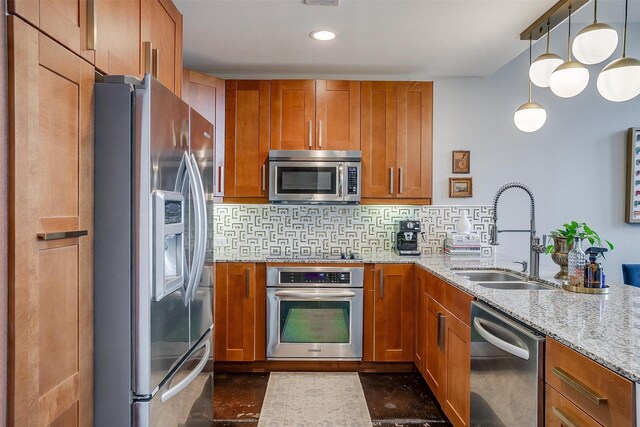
(186, 397)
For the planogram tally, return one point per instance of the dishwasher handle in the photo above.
(522, 353)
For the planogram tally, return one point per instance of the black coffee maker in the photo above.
(407, 238)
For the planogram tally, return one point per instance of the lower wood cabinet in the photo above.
(560, 412)
(435, 361)
(420, 305)
(239, 312)
(389, 316)
(456, 402)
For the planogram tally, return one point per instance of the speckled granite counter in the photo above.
(604, 328)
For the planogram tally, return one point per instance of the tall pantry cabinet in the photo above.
(50, 230)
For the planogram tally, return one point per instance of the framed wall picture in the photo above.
(632, 215)
(461, 162)
(460, 187)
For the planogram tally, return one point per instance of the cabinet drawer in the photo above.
(435, 288)
(559, 411)
(602, 394)
(458, 303)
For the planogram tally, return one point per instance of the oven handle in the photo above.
(315, 294)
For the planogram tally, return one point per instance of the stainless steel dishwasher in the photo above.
(507, 371)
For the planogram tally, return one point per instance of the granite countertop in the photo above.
(605, 328)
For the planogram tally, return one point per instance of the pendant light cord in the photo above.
(624, 34)
(530, 44)
(569, 37)
(548, 34)
(595, 11)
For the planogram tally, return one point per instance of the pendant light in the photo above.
(595, 42)
(530, 116)
(541, 69)
(620, 80)
(570, 78)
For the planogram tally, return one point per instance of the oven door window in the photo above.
(306, 180)
(315, 322)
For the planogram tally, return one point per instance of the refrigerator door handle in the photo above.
(193, 185)
(192, 375)
(201, 230)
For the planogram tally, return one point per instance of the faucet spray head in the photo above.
(493, 235)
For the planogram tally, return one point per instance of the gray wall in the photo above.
(575, 164)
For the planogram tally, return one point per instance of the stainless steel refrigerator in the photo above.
(153, 304)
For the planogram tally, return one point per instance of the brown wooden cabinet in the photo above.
(161, 36)
(206, 94)
(247, 139)
(448, 339)
(315, 115)
(51, 191)
(390, 290)
(117, 35)
(396, 121)
(240, 297)
(420, 305)
(65, 21)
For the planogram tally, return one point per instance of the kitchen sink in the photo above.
(489, 276)
(519, 285)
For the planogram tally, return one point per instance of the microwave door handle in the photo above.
(340, 180)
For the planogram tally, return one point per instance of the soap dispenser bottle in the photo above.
(593, 272)
(576, 262)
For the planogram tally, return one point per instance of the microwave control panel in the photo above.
(352, 180)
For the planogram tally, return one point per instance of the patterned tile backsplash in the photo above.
(310, 230)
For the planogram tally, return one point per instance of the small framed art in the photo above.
(461, 162)
(632, 210)
(460, 187)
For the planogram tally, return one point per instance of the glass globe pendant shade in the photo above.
(569, 79)
(541, 69)
(620, 80)
(530, 117)
(595, 43)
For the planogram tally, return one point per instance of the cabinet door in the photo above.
(394, 313)
(51, 191)
(206, 94)
(247, 138)
(65, 21)
(235, 312)
(118, 37)
(456, 402)
(338, 115)
(435, 360)
(414, 139)
(378, 121)
(161, 35)
(292, 114)
(420, 323)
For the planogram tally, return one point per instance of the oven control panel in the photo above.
(301, 277)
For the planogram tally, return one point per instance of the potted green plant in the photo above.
(563, 243)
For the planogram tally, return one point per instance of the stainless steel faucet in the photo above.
(535, 248)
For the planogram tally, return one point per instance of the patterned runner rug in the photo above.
(305, 399)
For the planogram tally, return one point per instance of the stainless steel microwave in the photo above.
(314, 176)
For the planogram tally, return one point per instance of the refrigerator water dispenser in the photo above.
(168, 243)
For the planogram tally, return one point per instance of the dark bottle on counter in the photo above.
(593, 272)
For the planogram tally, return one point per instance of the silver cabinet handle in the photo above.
(320, 135)
(264, 177)
(310, 133)
(219, 178)
(400, 178)
(92, 24)
(391, 180)
(156, 61)
(340, 180)
(62, 235)
(148, 57)
(381, 273)
(563, 417)
(441, 330)
(578, 386)
(248, 282)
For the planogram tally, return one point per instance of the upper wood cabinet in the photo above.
(51, 141)
(117, 35)
(393, 312)
(315, 115)
(396, 121)
(161, 37)
(206, 94)
(247, 139)
(66, 21)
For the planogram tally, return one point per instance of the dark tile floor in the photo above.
(398, 400)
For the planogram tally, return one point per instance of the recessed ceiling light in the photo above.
(322, 35)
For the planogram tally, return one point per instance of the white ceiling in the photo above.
(377, 39)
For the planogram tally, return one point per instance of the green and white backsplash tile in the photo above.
(278, 230)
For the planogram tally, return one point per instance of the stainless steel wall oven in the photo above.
(314, 312)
